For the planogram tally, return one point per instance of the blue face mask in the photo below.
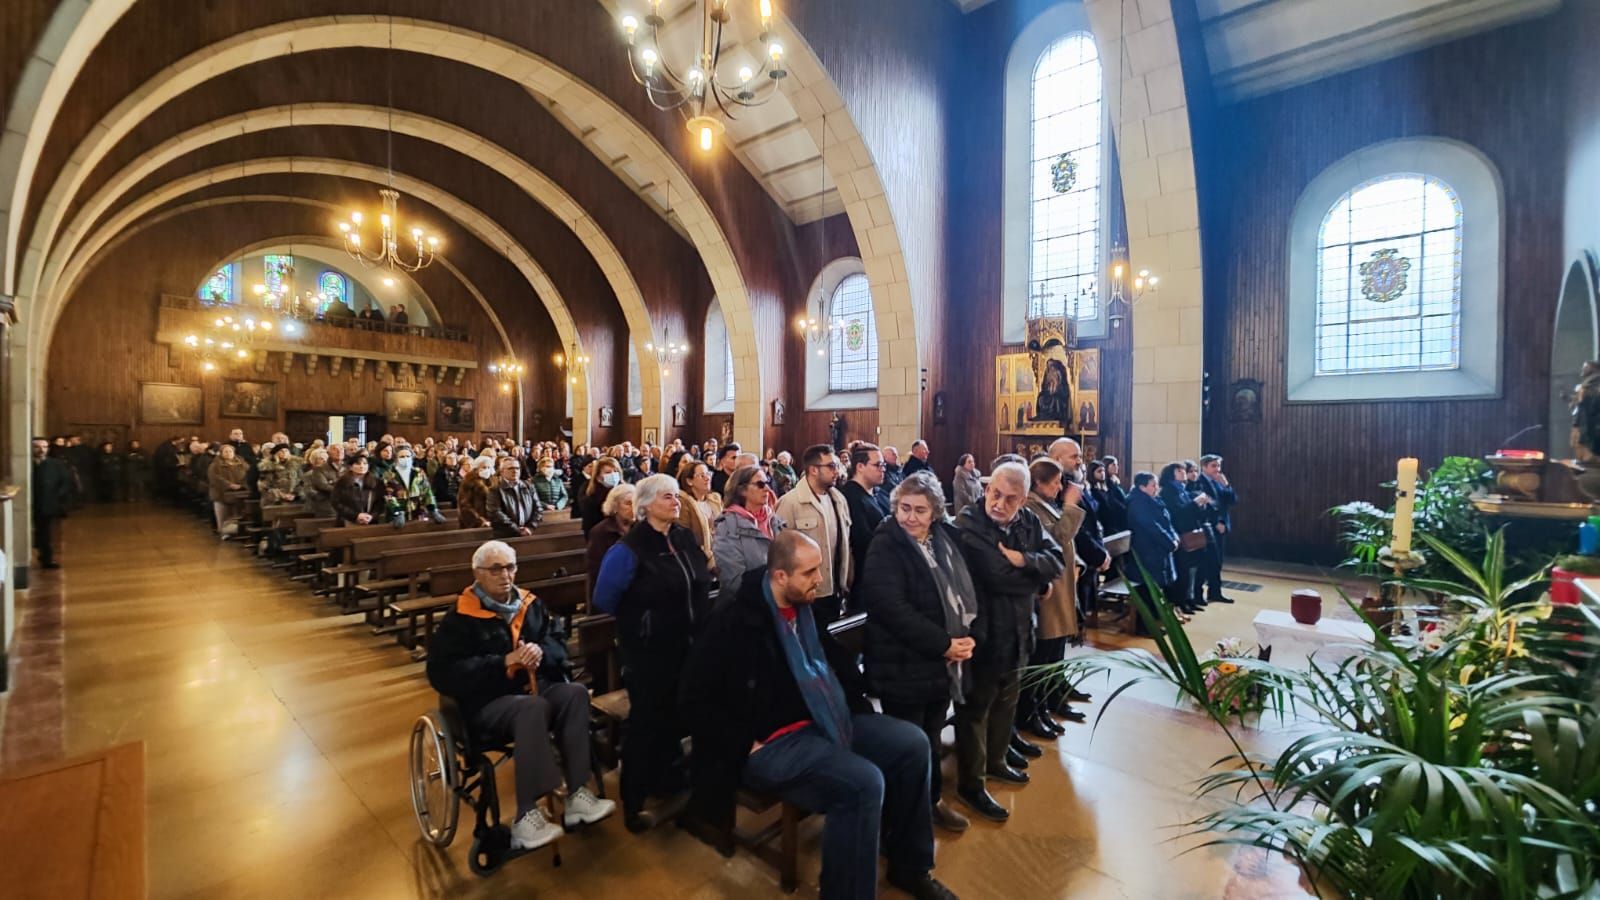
(610, 479)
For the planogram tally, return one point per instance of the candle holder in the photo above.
(1392, 590)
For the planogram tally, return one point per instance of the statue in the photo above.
(836, 431)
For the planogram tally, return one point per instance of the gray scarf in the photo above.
(960, 603)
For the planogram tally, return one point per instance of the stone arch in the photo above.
(491, 54)
(1576, 341)
(475, 221)
(534, 182)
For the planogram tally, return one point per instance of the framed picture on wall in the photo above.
(1244, 401)
(650, 436)
(777, 412)
(405, 407)
(171, 404)
(938, 408)
(248, 399)
(606, 416)
(456, 414)
(680, 416)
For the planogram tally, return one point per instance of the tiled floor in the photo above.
(276, 732)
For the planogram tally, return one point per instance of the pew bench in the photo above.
(418, 615)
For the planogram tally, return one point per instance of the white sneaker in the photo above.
(584, 808)
(533, 831)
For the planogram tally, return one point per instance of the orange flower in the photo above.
(1227, 668)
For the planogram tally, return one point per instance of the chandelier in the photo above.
(386, 249)
(668, 354)
(701, 88)
(572, 361)
(227, 338)
(507, 371)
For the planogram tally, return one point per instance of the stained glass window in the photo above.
(1389, 278)
(277, 269)
(220, 288)
(1068, 127)
(852, 337)
(332, 286)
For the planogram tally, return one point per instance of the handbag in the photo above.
(1191, 541)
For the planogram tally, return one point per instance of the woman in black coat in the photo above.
(920, 604)
(358, 496)
(1151, 570)
(1188, 516)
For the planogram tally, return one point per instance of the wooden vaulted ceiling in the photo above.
(576, 35)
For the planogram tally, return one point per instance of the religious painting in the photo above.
(1046, 393)
(650, 436)
(607, 416)
(777, 412)
(249, 399)
(1089, 373)
(680, 416)
(460, 414)
(725, 434)
(405, 407)
(1244, 401)
(938, 408)
(171, 404)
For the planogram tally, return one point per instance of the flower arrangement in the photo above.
(1220, 687)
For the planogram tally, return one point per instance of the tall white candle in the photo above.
(1405, 501)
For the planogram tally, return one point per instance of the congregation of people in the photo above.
(724, 570)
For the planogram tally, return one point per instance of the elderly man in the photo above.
(817, 510)
(514, 507)
(919, 458)
(869, 502)
(1215, 485)
(503, 657)
(768, 711)
(893, 474)
(1012, 560)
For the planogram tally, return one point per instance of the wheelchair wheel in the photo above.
(435, 780)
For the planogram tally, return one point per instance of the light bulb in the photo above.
(1144, 273)
(260, 289)
(433, 242)
(705, 138)
(289, 328)
(219, 323)
(649, 57)
(266, 326)
(695, 75)
(766, 11)
(745, 74)
(355, 239)
(243, 353)
(574, 379)
(208, 366)
(1155, 280)
(416, 233)
(775, 50)
(384, 220)
(209, 342)
(249, 323)
(388, 282)
(355, 217)
(630, 24)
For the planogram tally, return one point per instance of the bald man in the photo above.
(768, 711)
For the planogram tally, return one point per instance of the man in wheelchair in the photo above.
(503, 658)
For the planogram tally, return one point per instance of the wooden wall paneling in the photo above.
(1501, 93)
(22, 23)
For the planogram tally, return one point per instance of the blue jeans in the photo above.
(881, 781)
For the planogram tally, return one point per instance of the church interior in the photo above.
(1241, 326)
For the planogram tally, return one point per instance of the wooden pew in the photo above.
(562, 596)
(408, 571)
(363, 554)
(336, 542)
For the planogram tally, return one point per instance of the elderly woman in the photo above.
(317, 484)
(657, 583)
(549, 484)
(606, 474)
(744, 531)
(619, 519)
(968, 486)
(700, 506)
(783, 474)
(1058, 609)
(227, 473)
(472, 497)
(920, 603)
(446, 476)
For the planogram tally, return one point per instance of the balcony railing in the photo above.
(438, 332)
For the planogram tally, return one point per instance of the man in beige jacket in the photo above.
(818, 510)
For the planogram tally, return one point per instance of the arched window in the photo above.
(1389, 282)
(222, 287)
(1055, 226)
(1395, 276)
(332, 286)
(718, 378)
(852, 337)
(278, 271)
(635, 387)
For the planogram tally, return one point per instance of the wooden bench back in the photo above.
(404, 563)
(310, 527)
(850, 631)
(369, 549)
(534, 569)
(337, 540)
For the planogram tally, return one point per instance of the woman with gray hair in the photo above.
(657, 583)
(619, 518)
(743, 533)
(920, 605)
(317, 485)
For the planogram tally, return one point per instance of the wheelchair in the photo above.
(451, 766)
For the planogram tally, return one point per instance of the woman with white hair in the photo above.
(317, 485)
(657, 582)
(619, 519)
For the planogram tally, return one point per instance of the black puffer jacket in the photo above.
(467, 653)
(658, 586)
(1003, 630)
(906, 633)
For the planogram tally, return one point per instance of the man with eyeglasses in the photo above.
(868, 502)
(503, 657)
(816, 509)
(514, 506)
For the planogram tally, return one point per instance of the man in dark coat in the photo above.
(503, 657)
(868, 502)
(1153, 541)
(514, 507)
(166, 470)
(51, 498)
(1215, 485)
(919, 458)
(766, 710)
(1012, 560)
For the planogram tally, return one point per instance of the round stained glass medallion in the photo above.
(1063, 173)
(1383, 277)
(855, 335)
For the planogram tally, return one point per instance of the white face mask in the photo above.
(610, 479)
(548, 471)
(403, 465)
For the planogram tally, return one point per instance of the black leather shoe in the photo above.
(1045, 721)
(979, 801)
(639, 822)
(1039, 730)
(1076, 696)
(1008, 775)
(1016, 760)
(1072, 715)
(921, 887)
(1025, 748)
(1219, 599)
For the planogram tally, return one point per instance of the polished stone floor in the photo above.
(275, 732)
